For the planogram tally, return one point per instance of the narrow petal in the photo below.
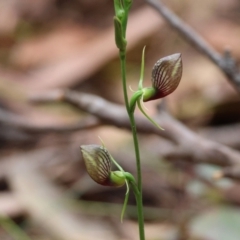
(146, 115)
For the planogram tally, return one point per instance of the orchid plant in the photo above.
(166, 75)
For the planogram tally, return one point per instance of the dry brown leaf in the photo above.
(95, 54)
(57, 45)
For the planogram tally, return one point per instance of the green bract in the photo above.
(120, 22)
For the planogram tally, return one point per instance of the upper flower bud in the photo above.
(166, 75)
(98, 163)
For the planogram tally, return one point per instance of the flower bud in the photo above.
(98, 164)
(166, 75)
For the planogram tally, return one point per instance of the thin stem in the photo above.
(122, 55)
(136, 147)
(137, 152)
(139, 178)
(138, 196)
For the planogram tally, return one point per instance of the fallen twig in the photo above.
(22, 123)
(189, 145)
(45, 203)
(225, 62)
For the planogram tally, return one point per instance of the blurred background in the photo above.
(45, 192)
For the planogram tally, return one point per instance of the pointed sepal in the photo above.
(140, 84)
(146, 115)
(129, 181)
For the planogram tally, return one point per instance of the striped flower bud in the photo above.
(98, 164)
(166, 75)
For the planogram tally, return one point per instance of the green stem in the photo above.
(122, 55)
(138, 194)
(138, 197)
(13, 229)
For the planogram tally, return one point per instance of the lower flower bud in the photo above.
(98, 164)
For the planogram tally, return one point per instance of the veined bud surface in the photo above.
(98, 164)
(166, 75)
